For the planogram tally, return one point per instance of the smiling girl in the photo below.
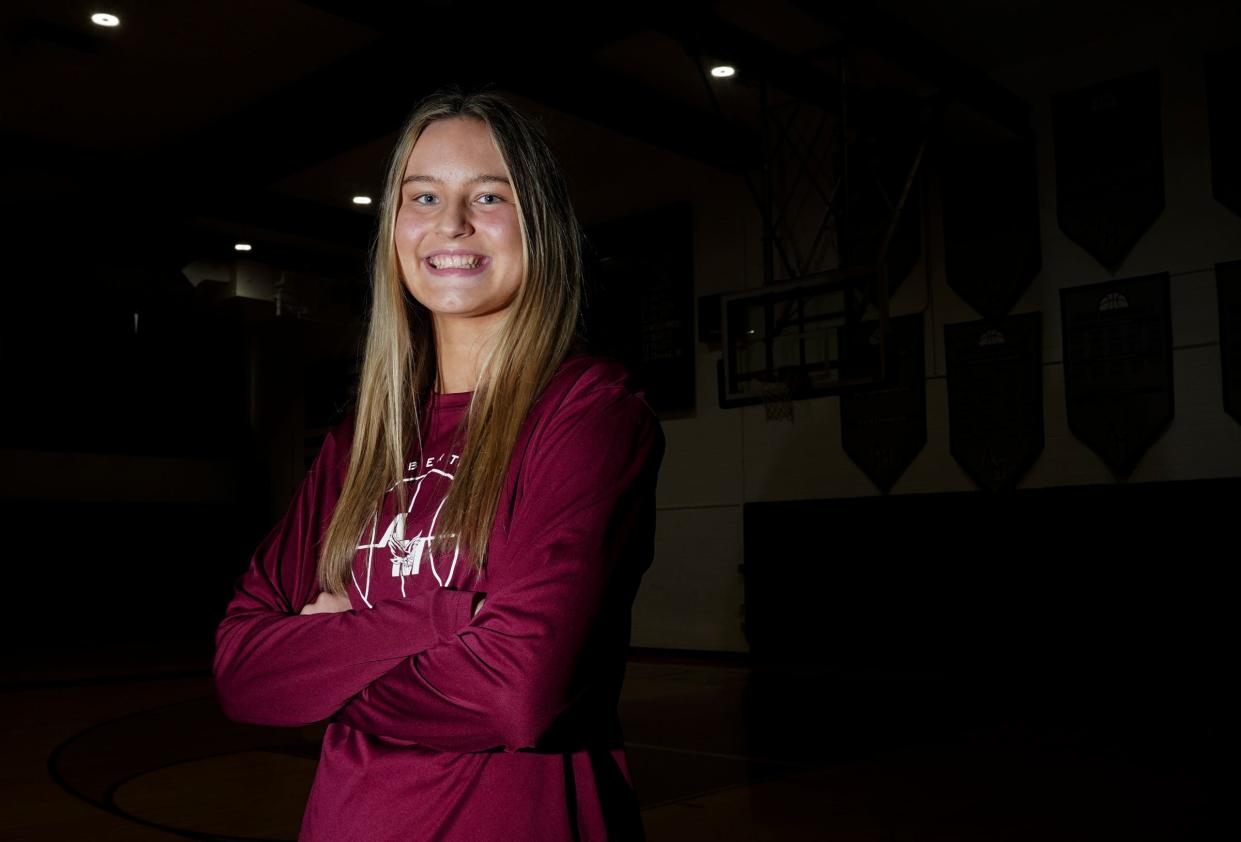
(452, 584)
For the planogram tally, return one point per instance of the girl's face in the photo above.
(458, 238)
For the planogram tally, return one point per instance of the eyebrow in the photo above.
(487, 179)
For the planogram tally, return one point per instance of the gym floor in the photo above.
(132, 747)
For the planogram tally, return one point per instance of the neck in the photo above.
(460, 344)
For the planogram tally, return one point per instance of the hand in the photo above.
(327, 603)
(478, 605)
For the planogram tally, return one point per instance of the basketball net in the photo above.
(777, 398)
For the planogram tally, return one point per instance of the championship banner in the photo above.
(1228, 288)
(1109, 164)
(991, 227)
(995, 397)
(1118, 366)
(1223, 76)
(882, 428)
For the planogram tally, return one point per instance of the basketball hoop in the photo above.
(777, 395)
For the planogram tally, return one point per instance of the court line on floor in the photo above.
(109, 806)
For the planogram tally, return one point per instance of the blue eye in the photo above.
(492, 195)
(422, 196)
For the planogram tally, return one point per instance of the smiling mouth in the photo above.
(456, 261)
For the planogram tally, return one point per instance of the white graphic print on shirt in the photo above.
(408, 554)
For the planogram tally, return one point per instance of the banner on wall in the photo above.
(883, 428)
(1118, 366)
(1223, 78)
(1109, 164)
(991, 224)
(1228, 288)
(995, 397)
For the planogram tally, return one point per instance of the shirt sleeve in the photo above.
(582, 534)
(273, 666)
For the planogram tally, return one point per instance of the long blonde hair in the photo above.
(399, 368)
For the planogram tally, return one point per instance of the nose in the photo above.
(454, 220)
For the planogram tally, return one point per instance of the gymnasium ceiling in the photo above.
(205, 122)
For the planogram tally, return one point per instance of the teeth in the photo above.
(446, 261)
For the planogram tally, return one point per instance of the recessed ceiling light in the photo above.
(242, 247)
(361, 200)
(721, 71)
(102, 19)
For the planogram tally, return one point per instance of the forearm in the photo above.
(511, 716)
(285, 669)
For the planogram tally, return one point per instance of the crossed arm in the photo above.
(279, 658)
(272, 667)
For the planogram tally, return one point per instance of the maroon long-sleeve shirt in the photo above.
(503, 726)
